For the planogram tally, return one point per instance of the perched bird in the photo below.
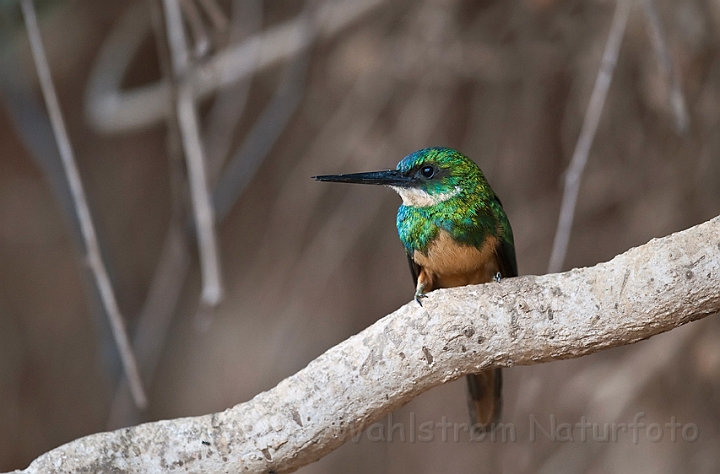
(455, 232)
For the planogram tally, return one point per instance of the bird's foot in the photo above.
(497, 277)
(420, 288)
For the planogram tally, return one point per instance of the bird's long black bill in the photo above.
(387, 178)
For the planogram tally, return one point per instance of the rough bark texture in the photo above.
(645, 291)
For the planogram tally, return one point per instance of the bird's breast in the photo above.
(454, 264)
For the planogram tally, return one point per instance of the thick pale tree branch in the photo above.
(645, 291)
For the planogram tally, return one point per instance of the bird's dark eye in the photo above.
(427, 171)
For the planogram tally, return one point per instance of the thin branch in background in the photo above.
(216, 15)
(204, 214)
(177, 45)
(229, 104)
(28, 117)
(345, 130)
(173, 265)
(112, 109)
(192, 144)
(657, 35)
(587, 135)
(94, 259)
(174, 147)
(154, 320)
(265, 131)
(197, 28)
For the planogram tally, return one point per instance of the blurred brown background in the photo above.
(308, 264)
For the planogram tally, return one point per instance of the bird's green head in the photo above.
(437, 174)
(426, 177)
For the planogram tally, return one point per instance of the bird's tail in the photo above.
(484, 398)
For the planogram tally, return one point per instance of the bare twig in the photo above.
(657, 34)
(643, 292)
(94, 258)
(194, 156)
(215, 13)
(265, 131)
(587, 135)
(262, 136)
(110, 109)
(172, 267)
(154, 320)
(344, 131)
(173, 264)
(197, 28)
(229, 104)
(212, 291)
(179, 54)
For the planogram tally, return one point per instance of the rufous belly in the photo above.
(448, 263)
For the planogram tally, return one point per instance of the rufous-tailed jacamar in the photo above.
(455, 233)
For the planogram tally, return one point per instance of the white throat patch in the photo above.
(414, 197)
